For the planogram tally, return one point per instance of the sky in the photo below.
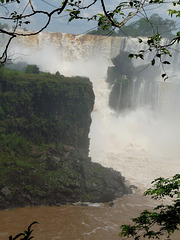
(60, 23)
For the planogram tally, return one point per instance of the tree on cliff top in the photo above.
(142, 27)
(32, 69)
(107, 16)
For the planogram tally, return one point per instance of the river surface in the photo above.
(74, 222)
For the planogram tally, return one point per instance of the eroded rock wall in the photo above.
(44, 126)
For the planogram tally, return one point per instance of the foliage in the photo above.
(57, 73)
(44, 127)
(32, 69)
(142, 27)
(159, 52)
(20, 66)
(39, 117)
(12, 142)
(104, 32)
(165, 219)
(26, 235)
(30, 103)
(148, 27)
(106, 18)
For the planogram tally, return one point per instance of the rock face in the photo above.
(131, 86)
(44, 125)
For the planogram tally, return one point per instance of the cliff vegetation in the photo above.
(44, 125)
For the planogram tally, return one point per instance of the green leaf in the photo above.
(158, 55)
(140, 40)
(141, 56)
(131, 4)
(131, 56)
(178, 34)
(164, 217)
(27, 22)
(166, 62)
(153, 62)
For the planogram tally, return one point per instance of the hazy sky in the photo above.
(60, 23)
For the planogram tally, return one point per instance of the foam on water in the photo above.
(142, 144)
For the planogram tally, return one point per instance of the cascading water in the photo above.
(142, 143)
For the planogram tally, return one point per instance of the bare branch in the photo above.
(14, 33)
(117, 24)
(135, 8)
(31, 6)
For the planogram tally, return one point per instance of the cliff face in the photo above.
(44, 126)
(48, 108)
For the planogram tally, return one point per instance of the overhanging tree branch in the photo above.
(120, 24)
(118, 17)
(18, 18)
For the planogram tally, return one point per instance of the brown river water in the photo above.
(75, 222)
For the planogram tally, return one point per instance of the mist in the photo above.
(142, 143)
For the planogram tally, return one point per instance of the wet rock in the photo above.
(6, 191)
(133, 187)
(111, 204)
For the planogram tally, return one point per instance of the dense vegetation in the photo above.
(165, 219)
(44, 126)
(37, 118)
(141, 28)
(33, 100)
(154, 25)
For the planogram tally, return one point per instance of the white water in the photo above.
(142, 144)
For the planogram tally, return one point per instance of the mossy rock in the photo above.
(44, 126)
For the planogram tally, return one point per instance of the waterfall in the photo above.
(142, 143)
(119, 97)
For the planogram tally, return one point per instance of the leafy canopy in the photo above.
(165, 219)
(148, 27)
(142, 27)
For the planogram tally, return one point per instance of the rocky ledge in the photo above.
(44, 125)
(57, 179)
